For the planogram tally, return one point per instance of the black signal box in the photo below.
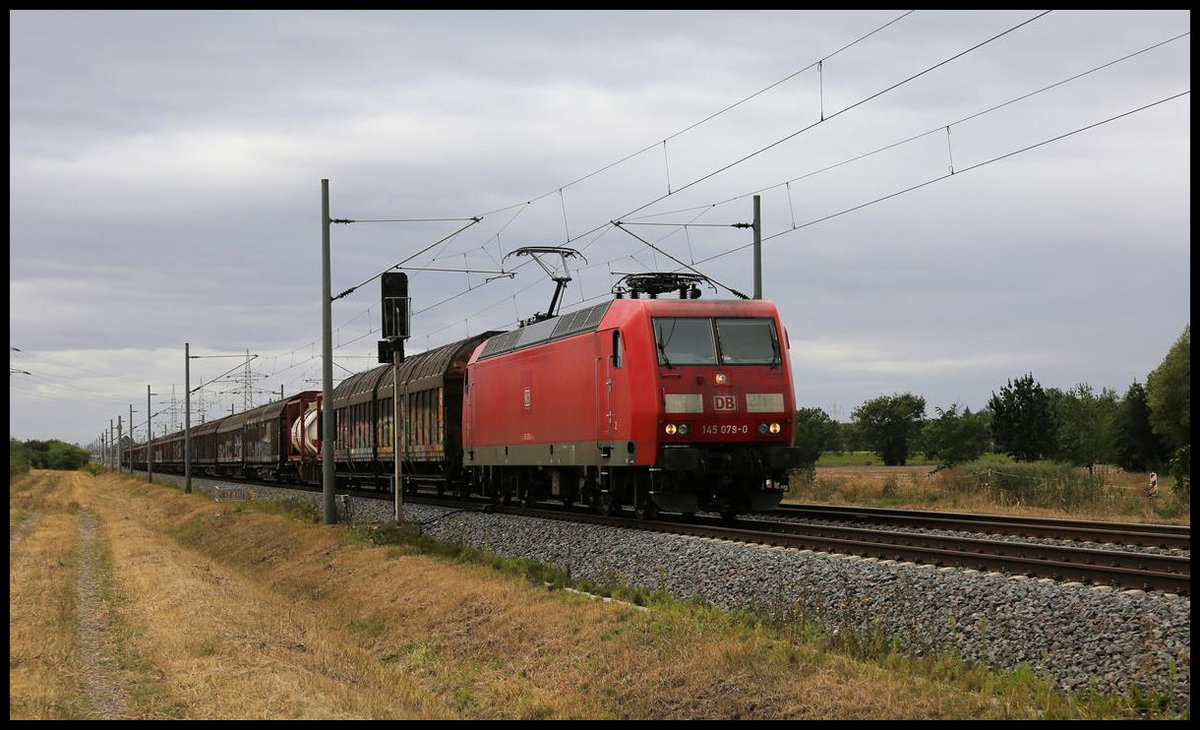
(396, 314)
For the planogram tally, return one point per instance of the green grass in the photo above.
(867, 458)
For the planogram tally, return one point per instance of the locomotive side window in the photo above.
(616, 349)
(685, 341)
(748, 341)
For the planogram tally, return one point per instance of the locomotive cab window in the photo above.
(616, 349)
(728, 341)
(748, 341)
(684, 341)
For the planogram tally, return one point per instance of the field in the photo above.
(994, 487)
(136, 601)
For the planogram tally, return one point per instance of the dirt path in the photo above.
(20, 532)
(108, 697)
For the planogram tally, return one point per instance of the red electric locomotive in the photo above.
(677, 405)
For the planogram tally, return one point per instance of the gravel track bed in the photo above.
(1078, 636)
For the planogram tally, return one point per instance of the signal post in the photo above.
(396, 329)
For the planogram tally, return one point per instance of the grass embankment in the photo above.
(993, 486)
(215, 611)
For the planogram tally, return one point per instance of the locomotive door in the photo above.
(608, 359)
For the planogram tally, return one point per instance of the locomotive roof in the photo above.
(582, 320)
(589, 319)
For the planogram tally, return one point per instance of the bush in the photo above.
(1039, 484)
(1181, 469)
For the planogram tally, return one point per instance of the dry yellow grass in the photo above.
(41, 629)
(222, 613)
(1121, 499)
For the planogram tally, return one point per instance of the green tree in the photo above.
(18, 458)
(851, 437)
(1169, 393)
(890, 424)
(815, 432)
(68, 457)
(1169, 396)
(55, 454)
(1022, 419)
(1138, 447)
(957, 438)
(1181, 469)
(1086, 425)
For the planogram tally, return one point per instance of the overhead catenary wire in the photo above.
(523, 206)
(722, 169)
(940, 178)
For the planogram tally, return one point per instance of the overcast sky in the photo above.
(950, 199)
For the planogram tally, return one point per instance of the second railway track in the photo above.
(1116, 567)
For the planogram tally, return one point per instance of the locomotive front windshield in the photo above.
(707, 341)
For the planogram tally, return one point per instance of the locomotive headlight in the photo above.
(775, 428)
(671, 429)
(762, 429)
(722, 378)
(683, 429)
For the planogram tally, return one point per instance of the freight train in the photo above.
(658, 404)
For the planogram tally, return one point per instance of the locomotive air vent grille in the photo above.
(500, 343)
(595, 314)
(566, 323)
(584, 320)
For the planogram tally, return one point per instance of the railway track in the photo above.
(1121, 569)
(1121, 533)
(1117, 568)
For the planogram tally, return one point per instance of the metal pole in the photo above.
(120, 451)
(110, 443)
(149, 438)
(757, 248)
(130, 439)
(328, 435)
(187, 418)
(398, 442)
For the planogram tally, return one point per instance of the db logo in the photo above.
(724, 402)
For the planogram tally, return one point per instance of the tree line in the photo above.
(52, 454)
(1146, 429)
